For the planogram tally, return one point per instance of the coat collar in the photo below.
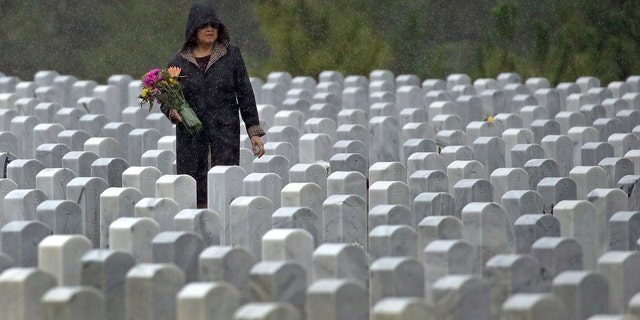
(219, 51)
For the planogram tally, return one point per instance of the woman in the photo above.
(216, 85)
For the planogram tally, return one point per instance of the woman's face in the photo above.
(208, 34)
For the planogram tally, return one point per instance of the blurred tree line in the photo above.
(560, 40)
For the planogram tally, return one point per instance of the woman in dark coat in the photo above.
(216, 85)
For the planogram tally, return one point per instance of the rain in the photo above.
(91, 39)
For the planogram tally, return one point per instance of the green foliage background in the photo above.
(557, 39)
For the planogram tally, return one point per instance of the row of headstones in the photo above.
(567, 103)
(409, 92)
(66, 91)
(596, 153)
(532, 184)
(607, 136)
(416, 135)
(132, 145)
(334, 281)
(121, 140)
(575, 219)
(536, 188)
(586, 108)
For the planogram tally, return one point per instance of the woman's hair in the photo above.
(223, 37)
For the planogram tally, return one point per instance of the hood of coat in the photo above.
(200, 14)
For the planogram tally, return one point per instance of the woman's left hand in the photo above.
(257, 146)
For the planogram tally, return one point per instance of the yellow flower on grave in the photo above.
(490, 119)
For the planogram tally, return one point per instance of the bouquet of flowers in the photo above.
(162, 85)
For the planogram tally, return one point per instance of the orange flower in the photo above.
(174, 71)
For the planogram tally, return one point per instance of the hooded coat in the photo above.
(215, 95)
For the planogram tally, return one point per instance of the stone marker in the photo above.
(507, 179)
(578, 220)
(539, 169)
(534, 306)
(279, 281)
(393, 241)
(23, 172)
(181, 188)
(79, 162)
(267, 311)
(588, 178)
(461, 297)
(507, 275)
(513, 137)
(180, 248)
(385, 132)
(229, 265)
(607, 202)
(467, 191)
(434, 228)
(268, 185)
(207, 300)
(341, 261)
(150, 291)
(226, 185)
(389, 192)
(345, 219)
(624, 230)
(86, 193)
(401, 309)
(390, 214)
(559, 148)
(163, 160)
(60, 255)
(591, 153)
(23, 204)
(557, 255)
(556, 189)
(74, 303)
(61, 216)
(620, 268)
(433, 204)
(446, 257)
(250, 220)
(162, 210)
(20, 239)
(115, 203)
(134, 236)
(294, 245)
(203, 222)
(106, 270)
(53, 182)
(484, 225)
(109, 169)
(531, 227)
(584, 293)
(142, 178)
(20, 292)
(326, 300)
(459, 170)
(627, 184)
(395, 277)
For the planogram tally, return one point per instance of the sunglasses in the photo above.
(210, 24)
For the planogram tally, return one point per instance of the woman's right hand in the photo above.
(174, 116)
